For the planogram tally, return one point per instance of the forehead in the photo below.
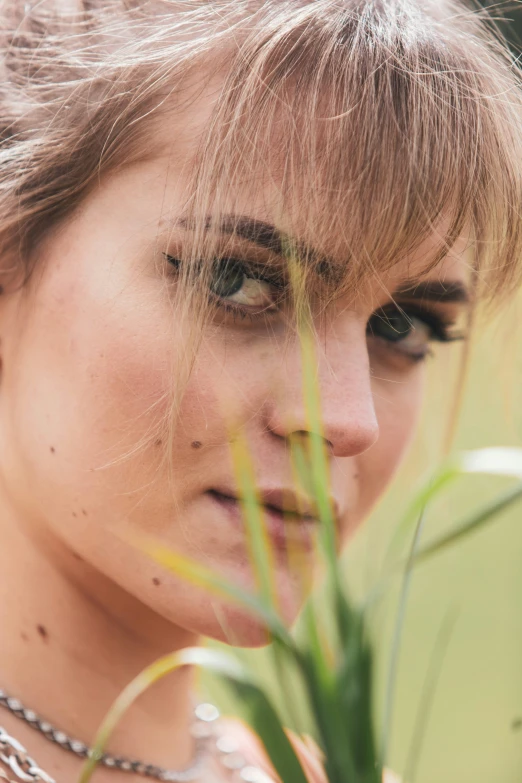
(314, 218)
(430, 260)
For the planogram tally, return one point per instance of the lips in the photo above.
(289, 517)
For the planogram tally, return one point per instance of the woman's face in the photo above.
(88, 349)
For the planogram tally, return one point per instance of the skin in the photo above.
(87, 351)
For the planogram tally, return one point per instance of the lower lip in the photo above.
(296, 535)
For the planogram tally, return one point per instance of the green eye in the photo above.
(393, 326)
(410, 331)
(233, 283)
(228, 278)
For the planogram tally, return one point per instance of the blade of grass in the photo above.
(315, 439)
(298, 558)
(391, 680)
(283, 644)
(285, 684)
(494, 461)
(261, 715)
(473, 524)
(320, 680)
(428, 694)
(327, 700)
(320, 471)
(205, 578)
(319, 461)
(406, 528)
(324, 695)
(260, 551)
(261, 554)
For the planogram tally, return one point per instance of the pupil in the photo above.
(393, 326)
(228, 277)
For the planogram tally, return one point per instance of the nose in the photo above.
(348, 414)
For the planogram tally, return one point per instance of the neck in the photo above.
(71, 641)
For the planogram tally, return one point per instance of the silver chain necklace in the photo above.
(16, 758)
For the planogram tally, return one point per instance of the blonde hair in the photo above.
(380, 120)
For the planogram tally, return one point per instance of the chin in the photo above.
(237, 626)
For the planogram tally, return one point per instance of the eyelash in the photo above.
(439, 325)
(236, 310)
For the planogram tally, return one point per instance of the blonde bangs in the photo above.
(372, 126)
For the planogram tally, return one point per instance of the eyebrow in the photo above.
(256, 231)
(269, 237)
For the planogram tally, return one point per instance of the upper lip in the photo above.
(286, 501)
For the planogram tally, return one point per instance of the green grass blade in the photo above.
(261, 555)
(335, 701)
(493, 461)
(203, 577)
(406, 528)
(428, 694)
(391, 680)
(319, 462)
(321, 688)
(473, 524)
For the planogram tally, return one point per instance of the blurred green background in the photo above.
(473, 727)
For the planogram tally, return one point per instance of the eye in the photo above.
(409, 330)
(240, 287)
(232, 281)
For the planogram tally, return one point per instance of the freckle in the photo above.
(158, 442)
(84, 512)
(78, 557)
(156, 581)
(42, 630)
(74, 514)
(24, 637)
(196, 444)
(52, 450)
(356, 475)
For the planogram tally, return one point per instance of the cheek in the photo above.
(89, 391)
(398, 408)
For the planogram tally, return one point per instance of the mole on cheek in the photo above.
(52, 450)
(42, 630)
(156, 581)
(196, 444)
